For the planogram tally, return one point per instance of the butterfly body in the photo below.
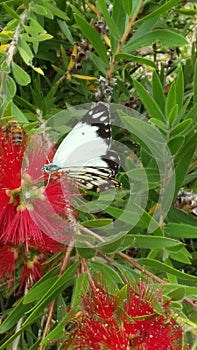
(85, 153)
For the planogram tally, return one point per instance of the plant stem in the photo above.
(123, 40)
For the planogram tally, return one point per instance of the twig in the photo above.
(15, 344)
(14, 44)
(123, 40)
(74, 226)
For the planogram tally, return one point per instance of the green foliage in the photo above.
(145, 50)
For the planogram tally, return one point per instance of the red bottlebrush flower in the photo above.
(29, 209)
(8, 257)
(129, 324)
(32, 272)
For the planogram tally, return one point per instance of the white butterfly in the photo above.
(85, 152)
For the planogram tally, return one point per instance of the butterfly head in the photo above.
(50, 168)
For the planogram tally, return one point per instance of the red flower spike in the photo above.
(28, 209)
(137, 327)
(32, 272)
(8, 257)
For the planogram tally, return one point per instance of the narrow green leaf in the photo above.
(119, 16)
(38, 38)
(166, 37)
(159, 266)
(114, 29)
(40, 10)
(9, 87)
(112, 245)
(149, 103)
(160, 10)
(34, 28)
(14, 316)
(195, 83)
(177, 294)
(25, 51)
(180, 230)
(99, 64)
(129, 57)
(56, 10)
(161, 125)
(37, 291)
(175, 144)
(97, 223)
(179, 84)
(150, 242)
(109, 275)
(52, 293)
(182, 128)
(80, 287)
(184, 160)
(65, 30)
(145, 27)
(93, 36)
(21, 77)
(170, 100)
(158, 91)
(172, 116)
(10, 11)
(127, 4)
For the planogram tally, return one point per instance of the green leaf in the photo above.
(65, 30)
(21, 77)
(158, 91)
(25, 51)
(145, 27)
(112, 245)
(119, 17)
(56, 10)
(177, 293)
(14, 316)
(179, 84)
(93, 36)
(40, 10)
(52, 293)
(10, 11)
(127, 4)
(195, 83)
(97, 223)
(9, 87)
(37, 291)
(100, 65)
(38, 38)
(182, 128)
(184, 160)
(166, 37)
(172, 116)
(129, 57)
(170, 100)
(80, 287)
(160, 10)
(149, 242)
(175, 144)
(180, 230)
(105, 273)
(34, 28)
(114, 29)
(161, 125)
(160, 266)
(149, 103)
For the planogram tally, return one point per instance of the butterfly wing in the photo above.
(87, 141)
(85, 152)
